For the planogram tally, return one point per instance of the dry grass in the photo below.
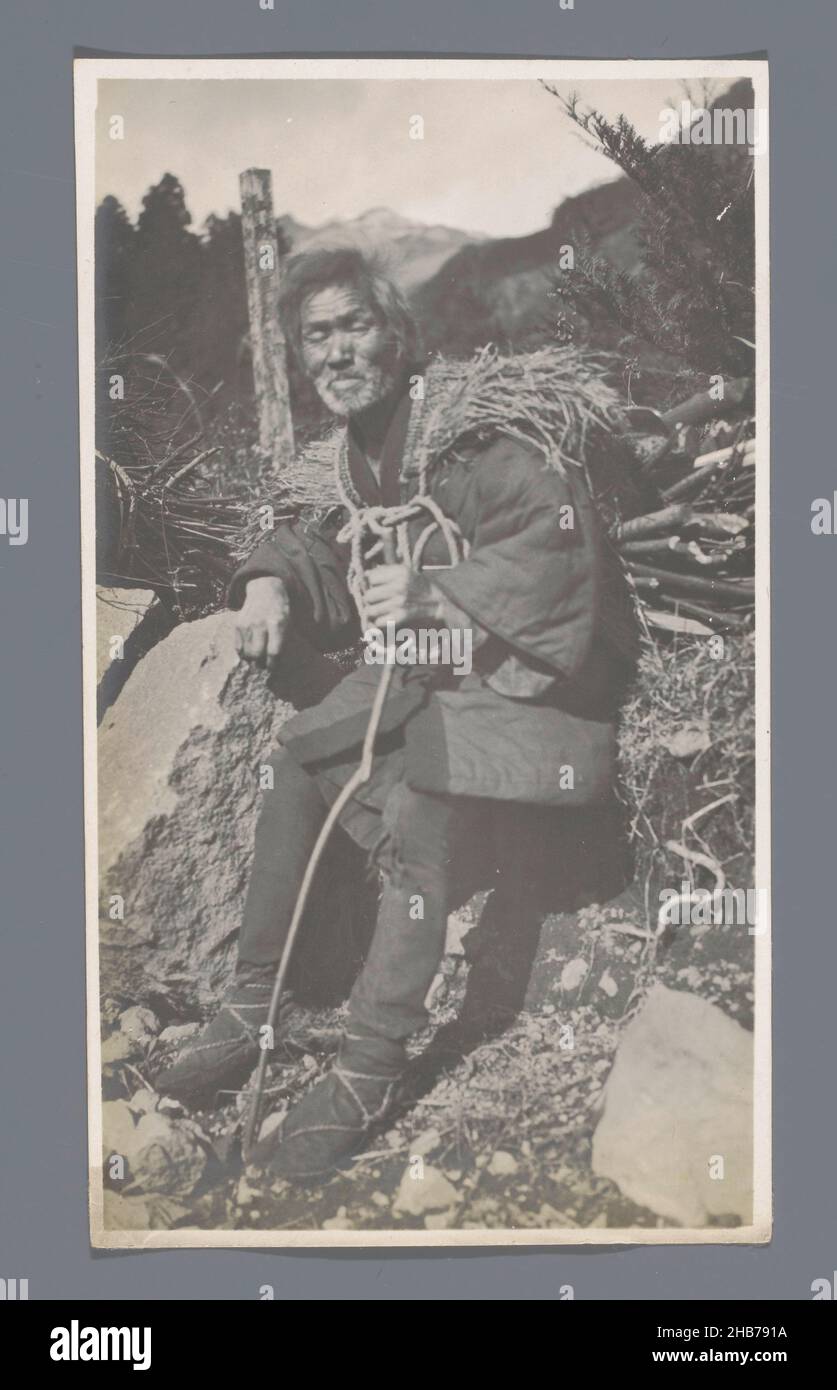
(687, 750)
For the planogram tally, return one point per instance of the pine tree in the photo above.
(114, 242)
(166, 270)
(694, 296)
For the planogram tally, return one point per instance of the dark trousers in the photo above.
(388, 996)
(434, 852)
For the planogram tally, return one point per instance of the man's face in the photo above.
(347, 352)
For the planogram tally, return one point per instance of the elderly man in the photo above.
(489, 756)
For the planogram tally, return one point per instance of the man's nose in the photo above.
(339, 349)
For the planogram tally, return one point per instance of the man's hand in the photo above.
(262, 621)
(396, 594)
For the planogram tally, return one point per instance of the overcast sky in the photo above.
(496, 157)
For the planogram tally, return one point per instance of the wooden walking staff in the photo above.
(261, 269)
(356, 780)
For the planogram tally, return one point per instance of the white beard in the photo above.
(373, 386)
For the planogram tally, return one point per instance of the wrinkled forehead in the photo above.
(334, 302)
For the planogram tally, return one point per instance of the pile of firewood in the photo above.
(691, 560)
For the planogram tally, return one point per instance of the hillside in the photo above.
(497, 290)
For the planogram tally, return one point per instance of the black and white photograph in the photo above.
(424, 516)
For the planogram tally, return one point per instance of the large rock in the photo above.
(161, 1154)
(677, 1130)
(118, 613)
(139, 621)
(180, 754)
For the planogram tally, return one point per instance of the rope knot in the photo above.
(377, 523)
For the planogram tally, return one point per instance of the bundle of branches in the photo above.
(691, 558)
(161, 521)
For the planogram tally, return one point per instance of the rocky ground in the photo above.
(501, 1133)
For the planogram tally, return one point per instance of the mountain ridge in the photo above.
(411, 251)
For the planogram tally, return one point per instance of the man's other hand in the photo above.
(396, 593)
(262, 622)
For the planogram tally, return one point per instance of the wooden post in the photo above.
(261, 268)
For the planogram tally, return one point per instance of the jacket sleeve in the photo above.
(532, 577)
(313, 568)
